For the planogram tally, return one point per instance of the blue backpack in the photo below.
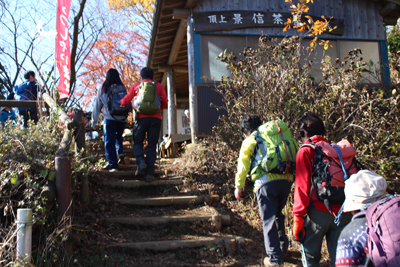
(114, 96)
(23, 92)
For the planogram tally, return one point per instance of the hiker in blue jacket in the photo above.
(114, 126)
(6, 114)
(28, 90)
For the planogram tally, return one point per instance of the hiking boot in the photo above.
(113, 170)
(267, 263)
(148, 178)
(140, 168)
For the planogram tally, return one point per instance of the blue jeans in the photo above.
(113, 139)
(271, 198)
(152, 126)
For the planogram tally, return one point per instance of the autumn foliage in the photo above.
(309, 25)
(138, 12)
(123, 50)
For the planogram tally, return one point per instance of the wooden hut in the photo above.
(187, 36)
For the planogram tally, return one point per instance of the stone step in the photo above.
(217, 220)
(231, 244)
(121, 174)
(127, 151)
(131, 166)
(99, 141)
(135, 183)
(174, 200)
(101, 147)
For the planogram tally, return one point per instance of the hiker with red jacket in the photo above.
(311, 219)
(146, 120)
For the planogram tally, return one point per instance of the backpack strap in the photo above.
(359, 214)
(140, 86)
(263, 149)
(376, 240)
(346, 176)
(290, 150)
(309, 144)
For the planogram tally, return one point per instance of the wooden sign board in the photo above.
(239, 19)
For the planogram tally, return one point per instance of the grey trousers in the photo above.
(271, 198)
(319, 224)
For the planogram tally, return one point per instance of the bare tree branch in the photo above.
(75, 43)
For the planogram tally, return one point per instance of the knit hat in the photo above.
(364, 187)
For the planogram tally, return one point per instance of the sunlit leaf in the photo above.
(51, 176)
(44, 173)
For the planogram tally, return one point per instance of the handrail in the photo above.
(20, 103)
(65, 119)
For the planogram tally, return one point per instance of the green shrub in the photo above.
(27, 160)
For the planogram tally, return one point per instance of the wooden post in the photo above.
(172, 123)
(80, 147)
(171, 102)
(64, 198)
(190, 48)
(63, 187)
(79, 132)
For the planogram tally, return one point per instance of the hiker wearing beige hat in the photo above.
(361, 190)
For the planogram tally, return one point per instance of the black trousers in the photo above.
(271, 198)
(28, 114)
(151, 126)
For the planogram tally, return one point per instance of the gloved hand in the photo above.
(298, 228)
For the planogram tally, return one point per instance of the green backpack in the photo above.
(150, 101)
(275, 151)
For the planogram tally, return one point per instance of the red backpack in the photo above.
(333, 164)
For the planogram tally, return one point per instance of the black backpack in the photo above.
(114, 96)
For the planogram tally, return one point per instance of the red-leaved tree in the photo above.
(123, 50)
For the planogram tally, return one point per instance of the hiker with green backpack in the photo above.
(149, 99)
(268, 154)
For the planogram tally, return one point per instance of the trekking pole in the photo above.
(303, 252)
